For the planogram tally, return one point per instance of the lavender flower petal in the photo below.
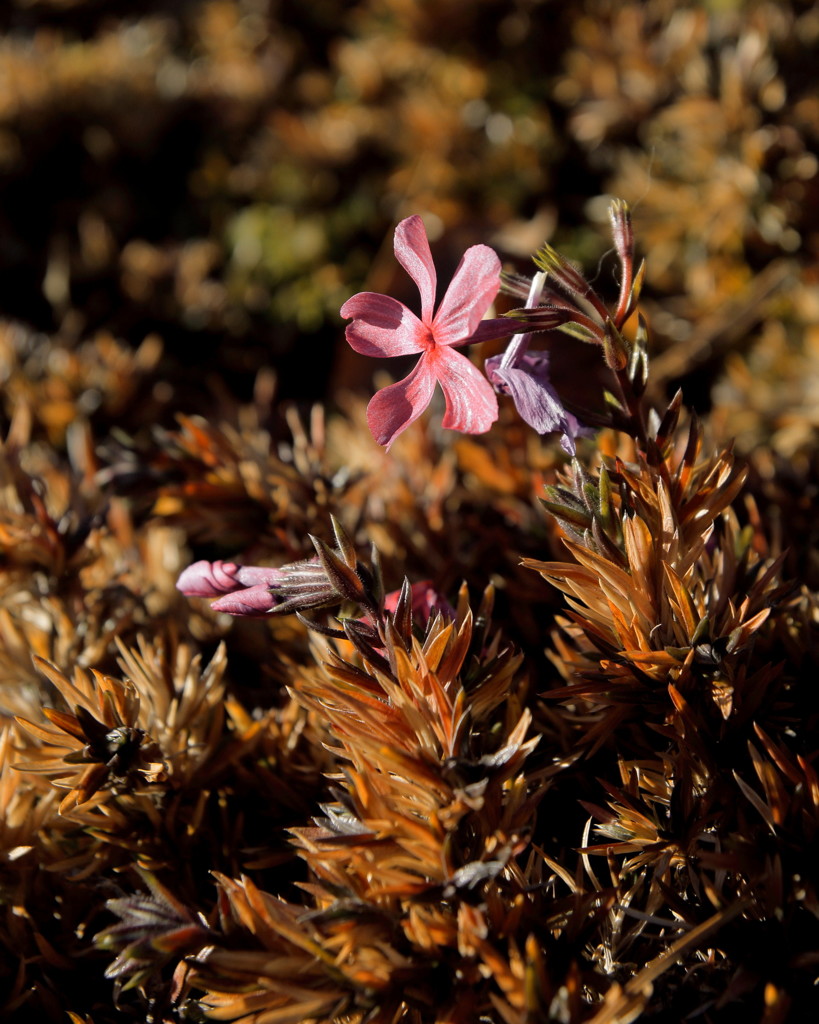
(530, 388)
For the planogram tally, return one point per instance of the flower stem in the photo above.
(519, 343)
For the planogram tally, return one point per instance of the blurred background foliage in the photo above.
(190, 190)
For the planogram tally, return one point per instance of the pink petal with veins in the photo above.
(470, 293)
(213, 579)
(256, 575)
(393, 408)
(412, 252)
(208, 579)
(471, 405)
(383, 326)
(254, 601)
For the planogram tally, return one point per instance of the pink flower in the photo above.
(383, 326)
(425, 601)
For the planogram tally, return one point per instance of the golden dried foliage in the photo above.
(423, 858)
(361, 816)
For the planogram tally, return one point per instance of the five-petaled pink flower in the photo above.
(383, 326)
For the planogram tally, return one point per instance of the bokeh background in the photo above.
(190, 190)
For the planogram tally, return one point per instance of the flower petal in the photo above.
(532, 392)
(260, 575)
(209, 579)
(254, 601)
(413, 253)
(490, 330)
(471, 406)
(383, 326)
(393, 408)
(470, 293)
(213, 579)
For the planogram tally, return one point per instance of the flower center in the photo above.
(427, 340)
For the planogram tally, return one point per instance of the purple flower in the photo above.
(528, 384)
(382, 326)
(524, 376)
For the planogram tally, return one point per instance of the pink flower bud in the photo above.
(241, 589)
(254, 601)
(209, 579)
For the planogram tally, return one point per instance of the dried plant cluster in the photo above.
(373, 804)
(499, 731)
